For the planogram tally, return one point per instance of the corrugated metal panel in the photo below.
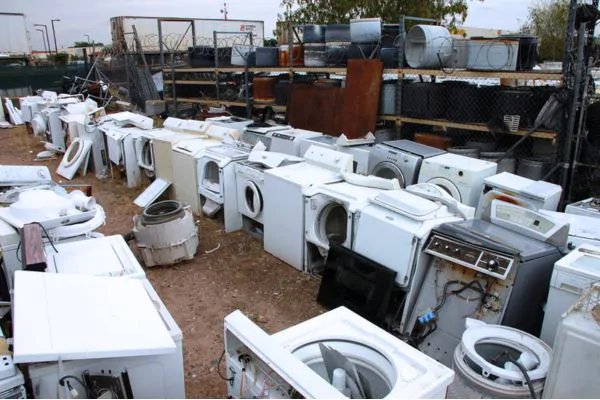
(14, 38)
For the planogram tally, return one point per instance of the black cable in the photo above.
(525, 374)
(230, 380)
(17, 254)
(61, 381)
(47, 236)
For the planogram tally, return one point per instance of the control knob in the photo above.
(492, 265)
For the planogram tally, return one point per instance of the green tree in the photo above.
(450, 12)
(548, 21)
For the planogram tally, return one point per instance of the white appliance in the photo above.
(289, 142)
(249, 177)
(185, 162)
(361, 153)
(574, 368)
(105, 256)
(76, 158)
(460, 176)
(524, 192)
(11, 379)
(331, 214)
(128, 118)
(392, 231)
(284, 200)
(324, 357)
(572, 276)
(231, 122)
(493, 54)
(589, 207)
(133, 346)
(55, 131)
(78, 125)
(28, 106)
(162, 148)
(254, 134)
(216, 175)
(582, 229)
(18, 175)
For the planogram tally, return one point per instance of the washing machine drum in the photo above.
(332, 224)
(448, 186)
(73, 153)
(389, 170)
(253, 199)
(212, 178)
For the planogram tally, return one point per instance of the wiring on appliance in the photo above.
(63, 381)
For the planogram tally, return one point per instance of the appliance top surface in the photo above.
(582, 226)
(326, 139)
(493, 237)
(519, 184)
(254, 165)
(348, 190)
(583, 261)
(304, 173)
(460, 162)
(74, 317)
(414, 148)
(406, 203)
(227, 151)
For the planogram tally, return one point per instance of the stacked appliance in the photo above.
(284, 200)
(462, 177)
(497, 271)
(400, 159)
(290, 141)
(582, 229)
(589, 207)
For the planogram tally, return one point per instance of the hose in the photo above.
(162, 212)
(525, 374)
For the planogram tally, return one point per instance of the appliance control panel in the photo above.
(250, 172)
(283, 136)
(470, 256)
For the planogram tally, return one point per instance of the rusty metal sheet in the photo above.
(315, 108)
(361, 97)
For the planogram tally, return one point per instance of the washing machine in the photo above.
(392, 231)
(29, 105)
(162, 149)
(231, 122)
(589, 207)
(574, 368)
(76, 158)
(129, 346)
(496, 271)
(261, 132)
(582, 229)
(185, 162)
(361, 153)
(144, 152)
(290, 141)
(536, 195)
(335, 355)
(331, 216)
(216, 183)
(460, 176)
(284, 200)
(400, 159)
(573, 275)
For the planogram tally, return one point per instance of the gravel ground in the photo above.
(201, 292)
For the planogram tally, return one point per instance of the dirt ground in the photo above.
(201, 292)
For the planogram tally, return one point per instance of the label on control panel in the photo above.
(469, 256)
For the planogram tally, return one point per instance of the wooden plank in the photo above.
(315, 108)
(33, 257)
(178, 82)
(471, 127)
(360, 105)
(526, 75)
(208, 101)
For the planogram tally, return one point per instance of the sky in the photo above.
(78, 18)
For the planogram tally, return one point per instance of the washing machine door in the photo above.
(448, 186)
(73, 152)
(389, 170)
(330, 223)
(211, 184)
(253, 200)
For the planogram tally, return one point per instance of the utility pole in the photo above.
(224, 10)
(43, 40)
(47, 37)
(54, 34)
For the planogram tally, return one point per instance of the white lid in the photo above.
(581, 226)
(459, 162)
(519, 184)
(106, 256)
(580, 263)
(405, 203)
(74, 317)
